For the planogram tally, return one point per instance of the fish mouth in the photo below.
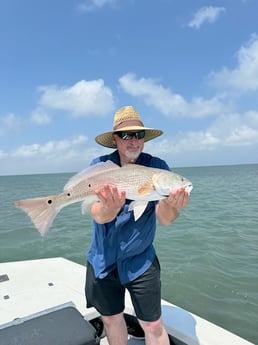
(189, 188)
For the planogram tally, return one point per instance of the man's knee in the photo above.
(112, 319)
(155, 327)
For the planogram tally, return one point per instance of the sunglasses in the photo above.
(131, 135)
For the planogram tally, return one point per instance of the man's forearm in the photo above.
(166, 213)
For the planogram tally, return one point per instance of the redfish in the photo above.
(141, 184)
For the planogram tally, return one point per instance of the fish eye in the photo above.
(49, 201)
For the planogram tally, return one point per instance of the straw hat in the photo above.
(122, 120)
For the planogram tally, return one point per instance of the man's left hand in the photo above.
(178, 198)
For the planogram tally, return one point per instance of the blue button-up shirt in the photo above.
(125, 244)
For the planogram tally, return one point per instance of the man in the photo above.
(121, 255)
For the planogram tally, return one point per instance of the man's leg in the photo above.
(116, 329)
(155, 332)
(145, 293)
(107, 296)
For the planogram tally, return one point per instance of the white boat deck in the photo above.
(28, 287)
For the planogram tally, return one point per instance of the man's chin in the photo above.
(132, 154)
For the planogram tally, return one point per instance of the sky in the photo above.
(190, 68)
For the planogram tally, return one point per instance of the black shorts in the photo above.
(107, 295)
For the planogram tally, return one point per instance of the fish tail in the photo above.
(42, 211)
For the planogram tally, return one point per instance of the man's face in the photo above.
(130, 144)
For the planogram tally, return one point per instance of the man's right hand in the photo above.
(110, 202)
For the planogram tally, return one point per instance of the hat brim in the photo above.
(105, 139)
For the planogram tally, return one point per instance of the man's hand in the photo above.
(167, 210)
(178, 198)
(111, 201)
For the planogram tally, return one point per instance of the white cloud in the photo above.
(40, 117)
(51, 149)
(244, 77)
(167, 102)
(237, 129)
(2, 154)
(72, 154)
(9, 123)
(232, 131)
(220, 142)
(231, 140)
(82, 99)
(207, 14)
(91, 5)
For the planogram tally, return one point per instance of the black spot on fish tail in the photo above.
(49, 201)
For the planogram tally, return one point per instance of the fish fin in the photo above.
(88, 172)
(41, 211)
(138, 207)
(146, 189)
(86, 204)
